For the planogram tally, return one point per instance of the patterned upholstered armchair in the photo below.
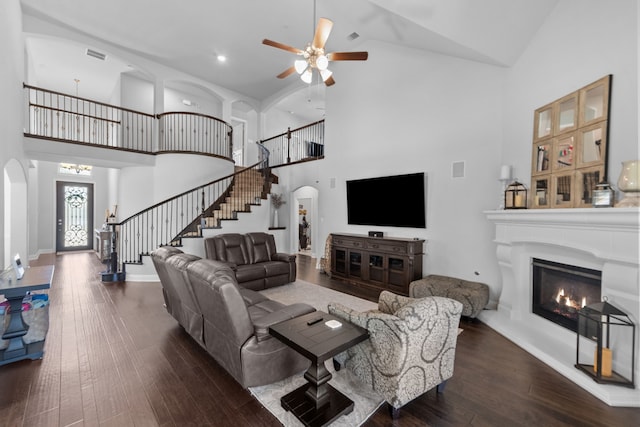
(411, 348)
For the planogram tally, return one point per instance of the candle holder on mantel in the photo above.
(604, 325)
(515, 196)
(629, 184)
(505, 175)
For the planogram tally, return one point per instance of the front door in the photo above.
(74, 216)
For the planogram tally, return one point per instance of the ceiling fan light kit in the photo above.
(307, 76)
(314, 57)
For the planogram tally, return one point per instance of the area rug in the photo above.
(366, 401)
(315, 295)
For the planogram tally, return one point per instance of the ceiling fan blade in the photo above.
(347, 56)
(329, 81)
(287, 72)
(282, 46)
(322, 32)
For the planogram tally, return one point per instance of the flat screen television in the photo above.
(393, 201)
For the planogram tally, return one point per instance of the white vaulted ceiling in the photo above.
(187, 35)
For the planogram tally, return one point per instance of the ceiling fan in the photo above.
(314, 56)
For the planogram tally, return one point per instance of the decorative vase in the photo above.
(629, 184)
(275, 219)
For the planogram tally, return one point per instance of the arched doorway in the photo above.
(304, 222)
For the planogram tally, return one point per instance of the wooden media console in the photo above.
(385, 263)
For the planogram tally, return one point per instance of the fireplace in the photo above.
(560, 290)
(602, 240)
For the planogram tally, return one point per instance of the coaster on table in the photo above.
(333, 324)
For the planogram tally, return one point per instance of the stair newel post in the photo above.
(288, 145)
(112, 274)
(202, 220)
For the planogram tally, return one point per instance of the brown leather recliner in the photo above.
(253, 258)
(171, 299)
(171, 266)
(230, 322)
(236, 325)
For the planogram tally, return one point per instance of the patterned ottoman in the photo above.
(474, 296)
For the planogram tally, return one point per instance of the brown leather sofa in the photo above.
(253, 258)
(230, 322)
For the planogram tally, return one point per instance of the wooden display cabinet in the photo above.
(383, 263)
(570, 143)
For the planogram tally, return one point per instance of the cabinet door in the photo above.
(355, 264)
(339, 261)
(397, 271)
(377, 268)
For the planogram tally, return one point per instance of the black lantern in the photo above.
(606, 326)
(515, 196)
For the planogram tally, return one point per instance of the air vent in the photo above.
(457, 169)
(97, 55)
(353, 36)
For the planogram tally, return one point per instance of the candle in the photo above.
(519, 201)
(606, 362)
(505, 172)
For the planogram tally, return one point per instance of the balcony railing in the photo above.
(298, 145)
(190, 132)
(67, 118)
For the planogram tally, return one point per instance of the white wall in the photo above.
(11, 78)
(277, 121)
(202, 102)
(136, 94)
(580, 42)
(421, 116)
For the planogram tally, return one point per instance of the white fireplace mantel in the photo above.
(604, 239)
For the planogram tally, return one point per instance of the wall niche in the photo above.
(569, 156)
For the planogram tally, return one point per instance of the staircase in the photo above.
(243, 194)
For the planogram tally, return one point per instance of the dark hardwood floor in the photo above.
(113, 356)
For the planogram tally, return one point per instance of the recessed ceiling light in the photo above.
(221, 58)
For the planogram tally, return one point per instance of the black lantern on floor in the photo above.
(515, 196)
(607, 326)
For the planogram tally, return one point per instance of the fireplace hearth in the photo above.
(561, 290)
(604, 240)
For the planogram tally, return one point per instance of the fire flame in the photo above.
(567, 301)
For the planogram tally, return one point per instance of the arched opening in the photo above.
(305, 221)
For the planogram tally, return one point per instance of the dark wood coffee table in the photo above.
(317, 403)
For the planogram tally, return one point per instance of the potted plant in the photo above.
(277, 201)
